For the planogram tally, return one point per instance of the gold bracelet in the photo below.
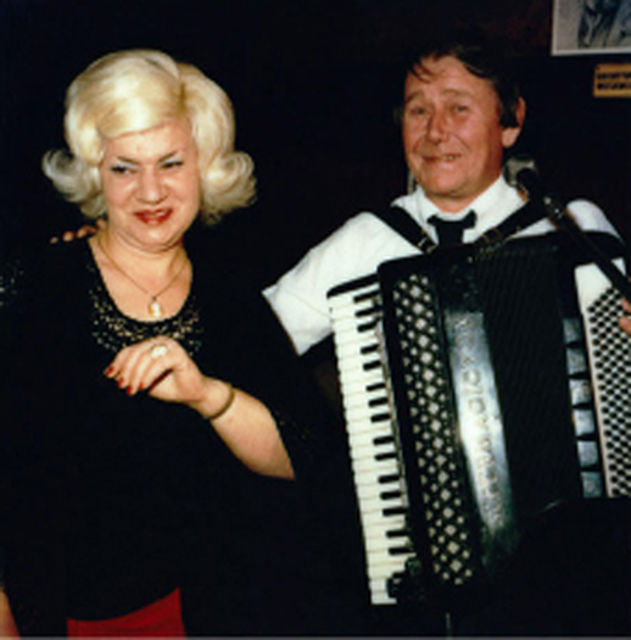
(226, 405)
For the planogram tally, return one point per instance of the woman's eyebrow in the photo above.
(166, 156)
(169, 155)
(125, 160)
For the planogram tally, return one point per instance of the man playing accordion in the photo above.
(462, 109)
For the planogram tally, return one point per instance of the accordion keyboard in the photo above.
(356, 316)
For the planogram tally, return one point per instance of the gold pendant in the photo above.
(155, 309)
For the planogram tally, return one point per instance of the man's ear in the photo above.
(510, 134)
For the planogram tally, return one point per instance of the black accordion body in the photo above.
(482, 387)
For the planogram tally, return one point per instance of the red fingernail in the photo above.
(109, 370)
(121, 383)
(129, 391)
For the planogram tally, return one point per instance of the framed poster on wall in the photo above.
(591, 26)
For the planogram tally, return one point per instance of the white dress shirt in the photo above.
(363, 242)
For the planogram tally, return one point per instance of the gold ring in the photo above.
(158, 351)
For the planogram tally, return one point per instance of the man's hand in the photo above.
(81, 232)
(625, 321)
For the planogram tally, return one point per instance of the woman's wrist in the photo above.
(217, 399)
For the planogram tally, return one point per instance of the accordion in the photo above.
(481, 387)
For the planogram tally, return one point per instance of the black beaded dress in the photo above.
(110, 501)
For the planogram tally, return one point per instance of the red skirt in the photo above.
(160, 618)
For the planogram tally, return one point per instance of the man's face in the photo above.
(452, 137)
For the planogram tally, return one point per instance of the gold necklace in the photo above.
(154, 307)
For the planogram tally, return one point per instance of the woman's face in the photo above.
(151, 185)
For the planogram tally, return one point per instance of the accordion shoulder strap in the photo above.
(399, 219)
(521, 219)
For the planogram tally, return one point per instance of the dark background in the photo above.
(314, 83)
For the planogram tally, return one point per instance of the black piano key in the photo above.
(370, 348)
(395, 551)
(390, 477)
(394, 511)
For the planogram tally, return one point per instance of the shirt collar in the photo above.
(491, 206)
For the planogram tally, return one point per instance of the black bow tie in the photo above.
(451, 231)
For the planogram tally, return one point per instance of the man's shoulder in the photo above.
(590, 217)
(406, 201)
(367, 222)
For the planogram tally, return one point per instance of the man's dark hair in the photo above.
(482, 57)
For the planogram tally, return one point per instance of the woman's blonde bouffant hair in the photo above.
(135, 90)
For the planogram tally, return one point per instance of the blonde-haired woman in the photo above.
(140, 370)
(137, 90)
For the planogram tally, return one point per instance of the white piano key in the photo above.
(368, 480)
(384, 544)
(368, 425)
(399, 501)
(367, 368)
(341, 304)
(366, 452)
(382, 559)
(380, 467)
(358, 347)
(377, 397)
(363, 438)
(381, 597)
(379, 526)
(375, 490)
(370, 387)
(375, 503)
(359, 374)
(378, 522)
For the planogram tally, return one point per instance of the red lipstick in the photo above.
(153, 216)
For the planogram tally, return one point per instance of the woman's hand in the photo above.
(162, 368)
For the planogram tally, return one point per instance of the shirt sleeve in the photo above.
(590, 217)
(354, 250)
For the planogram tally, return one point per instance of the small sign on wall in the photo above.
(612, 80)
